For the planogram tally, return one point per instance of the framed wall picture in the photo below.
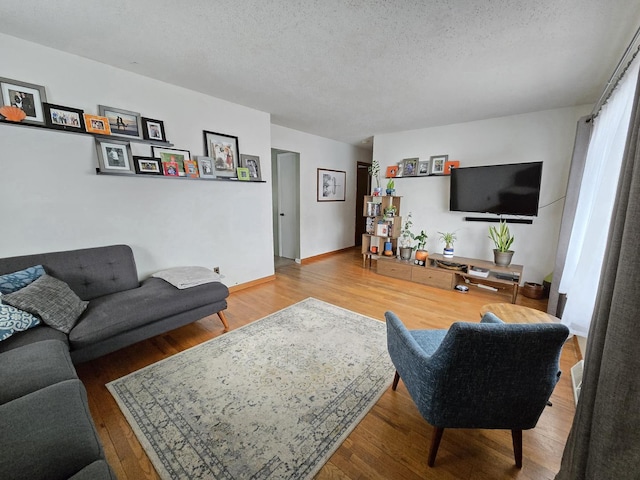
(437, 164)
(63, 118)
(147, 165)
(172, 155)
(205, 167)
(123, 123)
(252, 162)
(153, 129)
(392, 171)
(224, 151)
(97, 124)
(449, 165)
(170, 169)
(243, 174)
(114, 156)
(410, 167)
(332, 185)
(423, 168)
(191, 169)
(28, 97)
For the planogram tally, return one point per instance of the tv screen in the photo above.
(512, 189)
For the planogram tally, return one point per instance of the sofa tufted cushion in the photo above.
(12, 282)
(51, 299)
(13, 320)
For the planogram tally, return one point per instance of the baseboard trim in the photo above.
(252, 283)
(305, 261)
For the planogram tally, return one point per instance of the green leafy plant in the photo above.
(448, 238)
(421, 239)
(391, 185)
(390, 211)
(501, 236)
(374, 171)
(406, 236)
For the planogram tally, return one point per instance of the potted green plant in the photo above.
(390, 211)
(449, 239)
(374, 171)
(406, 238)
(502, 239)
(421, 251)
(391, 187)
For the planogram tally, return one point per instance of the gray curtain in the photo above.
(604, 442)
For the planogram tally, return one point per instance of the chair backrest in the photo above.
(491, 375)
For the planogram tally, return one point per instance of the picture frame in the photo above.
(170, 169)
(177, 155)
(437, 164)
(63, 118)
(123, 123)
(147, 165)
(450, 165)
(28, 97)
(224, 150)
(252, 162)
(392, 171)
(423, 168)
(191, 169)
(205, 167)
(410, 167)
(114, 156)
(400, 169)
(243, 174)
(153, 129)
(96, 124)
(331, 185)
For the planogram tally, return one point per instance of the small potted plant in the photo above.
(421, 251)
(449, 239)
(374, 171)
(390, 211)
(502, 239)
(406, 238)
(391, 187)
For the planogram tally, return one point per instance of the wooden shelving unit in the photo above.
(374, 211)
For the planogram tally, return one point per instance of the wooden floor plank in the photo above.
(392, 440)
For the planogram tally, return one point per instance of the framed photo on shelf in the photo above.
(153, 129)
(63, 118)
(123, 123)
(400, 169)
(410, 167)
(170, 169)
(252, 162)
(392, 171)
(450, 165)
(114, 156)
(332, 185)
(172, 155)
(191, 168)
(97, 124)
(28, 97)
(423, 168)
(224, 151)
(147, 165)
(243, 174)
(437, 164)
(205, 167)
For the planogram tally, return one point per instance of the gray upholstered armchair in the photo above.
(491, 374)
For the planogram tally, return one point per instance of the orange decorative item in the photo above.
(13, 114)
(422, 255)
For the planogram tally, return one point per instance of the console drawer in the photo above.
(433, 277)
(393, 268)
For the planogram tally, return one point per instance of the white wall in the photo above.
(324, 226)
(546, 136)
(53, 200)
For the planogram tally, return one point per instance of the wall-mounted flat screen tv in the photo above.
(511, 189)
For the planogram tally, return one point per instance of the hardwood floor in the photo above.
(392, 441)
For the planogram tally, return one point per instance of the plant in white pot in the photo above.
(374, 171)
(406, 238)
(502, 239)
(449, 239)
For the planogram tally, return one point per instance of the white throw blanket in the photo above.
(185, 277)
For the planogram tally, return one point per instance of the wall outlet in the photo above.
(216, 270)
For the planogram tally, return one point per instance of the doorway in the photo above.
(286, 205)
(363, 182)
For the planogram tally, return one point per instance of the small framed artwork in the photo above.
(172, 155)
(392, 171)
(63, 118)
(331, 185)
(423, 168)
(252, 162)
(147, 165)
(243, 174)
(449, 165)
(410, 167)
(114, 156)
(437, 164)
(153, 129)
(97, 124)
(400, 169)
(170, 169)
(191, 168)
(205, 167)
(28, 97)
(123, 123)
(224, 151)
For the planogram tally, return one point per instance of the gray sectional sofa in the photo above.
(45, 424)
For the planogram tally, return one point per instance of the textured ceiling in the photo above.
(351, 69)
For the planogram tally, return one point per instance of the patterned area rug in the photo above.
(271, 400)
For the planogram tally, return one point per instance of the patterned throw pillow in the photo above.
(51, 299)
(13, 320)
(12, 282)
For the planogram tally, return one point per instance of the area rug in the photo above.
(271, 400)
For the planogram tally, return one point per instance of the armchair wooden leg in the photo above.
(224, 320)
(396, 378)
(435, 443)
(516, 435)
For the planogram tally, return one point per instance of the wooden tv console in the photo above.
(437, 273)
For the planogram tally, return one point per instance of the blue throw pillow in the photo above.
(13, 320)
(12, 282)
